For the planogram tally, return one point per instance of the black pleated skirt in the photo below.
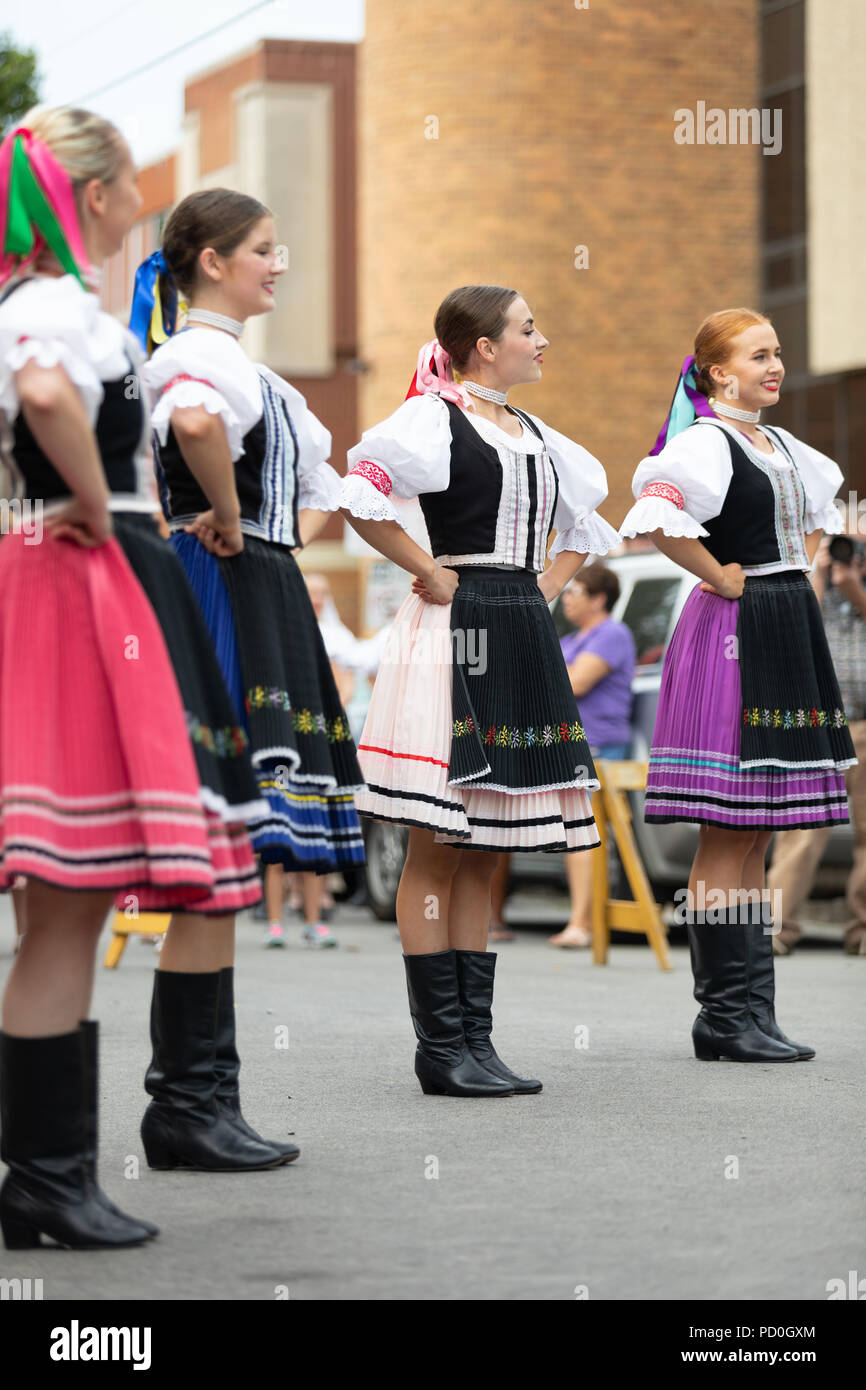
(792, 706)
(516, 724)
(219, 741)
(275, 663)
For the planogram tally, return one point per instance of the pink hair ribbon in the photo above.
(37, 209)
(434, 376)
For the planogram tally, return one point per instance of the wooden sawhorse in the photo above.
(613, 817)
(123, 927)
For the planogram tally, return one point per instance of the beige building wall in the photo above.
(836, 183)
(282, 145)
(285, 150)
(496, 138)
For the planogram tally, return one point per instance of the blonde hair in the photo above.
(88, 146)
(713, 342)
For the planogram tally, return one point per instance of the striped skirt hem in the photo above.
(704, 765)
(711, 787)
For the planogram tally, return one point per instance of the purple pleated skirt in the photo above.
(695, 769)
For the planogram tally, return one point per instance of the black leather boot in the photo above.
(443, 1063)
(762, 980)
(49, 1190)
(475, 971)
(90, 1050)
(725, 1026)
(228, 1065)
(183, 1127)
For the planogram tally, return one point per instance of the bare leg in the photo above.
(499, 893)
(424, 895)
(275, 891)
(51, 982)
(197, 945)
(720, 859)
(754, 873)
(578, 931)
(19, 907)
(293, 895)
(312, 895)
(469, 909)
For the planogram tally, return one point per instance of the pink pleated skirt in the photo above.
(406, 746)
(98, 783)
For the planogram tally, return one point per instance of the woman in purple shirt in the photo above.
(600, 657)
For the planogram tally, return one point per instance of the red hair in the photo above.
(714, 339)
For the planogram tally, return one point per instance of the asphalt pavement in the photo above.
(638, 1172)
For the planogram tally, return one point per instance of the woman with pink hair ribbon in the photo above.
(473, 739)
(122, 764)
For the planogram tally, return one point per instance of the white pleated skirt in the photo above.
(405, 752)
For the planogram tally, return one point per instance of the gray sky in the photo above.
(81, 48)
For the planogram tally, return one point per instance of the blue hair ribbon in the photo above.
(153, 316)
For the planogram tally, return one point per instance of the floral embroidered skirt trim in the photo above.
(473, 730)
(750, 731)
(273, 659)
(99, 788)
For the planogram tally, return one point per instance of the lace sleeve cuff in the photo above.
(591, 536)
(49, 352)
(657, 510)
(365, 499)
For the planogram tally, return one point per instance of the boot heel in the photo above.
(17, 1235)
(160, 1159)
(159, 1156)
(430, 1088)
(705, 1053)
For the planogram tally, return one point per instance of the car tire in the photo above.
(386, 851)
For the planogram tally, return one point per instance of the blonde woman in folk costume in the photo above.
(104, 785)
(750, 735)
(484, 752)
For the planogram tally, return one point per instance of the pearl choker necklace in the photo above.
(751, 417)
(233, 326)
(486, 393)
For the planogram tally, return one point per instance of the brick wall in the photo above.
(556, 130)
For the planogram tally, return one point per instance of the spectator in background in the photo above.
(601, 658)
(797, 853)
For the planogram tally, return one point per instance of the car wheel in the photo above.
(386, 852)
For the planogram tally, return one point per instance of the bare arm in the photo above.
(560, 573)
(813, 540)
(389, 538)
(586, 671)
(820, 574)
(311, 524)
(55, 413)
(202, 441)
(692, 555)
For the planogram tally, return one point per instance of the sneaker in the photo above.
(275, 934)
(319, 936)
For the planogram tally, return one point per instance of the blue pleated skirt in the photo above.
(270, 649)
